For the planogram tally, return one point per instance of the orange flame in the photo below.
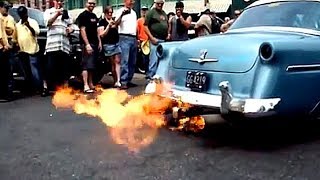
(133, 121)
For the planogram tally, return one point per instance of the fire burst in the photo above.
(132, 121)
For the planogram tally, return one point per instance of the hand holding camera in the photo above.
(126, 11)
(59, 11)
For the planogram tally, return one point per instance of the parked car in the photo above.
(266, 65)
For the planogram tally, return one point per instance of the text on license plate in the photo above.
(196, 81)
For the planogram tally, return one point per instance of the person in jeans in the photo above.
(126, 19)
(156, 27)
(179, 24)
(7, 29)
(88, 23)
(27, 30)
(59, 23)
(109, 35)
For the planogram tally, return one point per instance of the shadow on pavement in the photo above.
(264, 136)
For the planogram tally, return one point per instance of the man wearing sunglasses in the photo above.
(156, 27)
(88, 24)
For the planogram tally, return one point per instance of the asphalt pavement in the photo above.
(38, 141)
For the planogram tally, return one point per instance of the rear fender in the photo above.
(165, 60)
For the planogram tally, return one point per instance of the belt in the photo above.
(129, 35)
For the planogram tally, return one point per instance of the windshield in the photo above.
(33, 13)
(286, 14)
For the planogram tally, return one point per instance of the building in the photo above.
(223, 8)
(37, 4)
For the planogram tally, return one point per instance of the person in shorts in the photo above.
(109, 35)
(88, 23)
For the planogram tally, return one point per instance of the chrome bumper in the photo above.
(225, 102)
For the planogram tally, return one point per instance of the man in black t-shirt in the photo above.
(88, 22)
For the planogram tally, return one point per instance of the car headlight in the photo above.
(160, 51)
(266, 51)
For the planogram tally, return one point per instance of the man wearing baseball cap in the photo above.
(156, 27)
(179, 24)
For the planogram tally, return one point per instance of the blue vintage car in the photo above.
(266, 64)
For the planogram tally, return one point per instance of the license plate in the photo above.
(196, 81)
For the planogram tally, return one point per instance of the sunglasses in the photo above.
(92, 3)
(159, 4)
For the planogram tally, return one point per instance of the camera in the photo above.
(127, 11)
(65, 15)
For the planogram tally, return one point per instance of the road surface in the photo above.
(38, 141)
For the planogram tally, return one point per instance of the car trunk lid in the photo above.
(233, 53)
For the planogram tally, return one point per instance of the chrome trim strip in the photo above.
(306, 67)
(274, 29)
(198, 60)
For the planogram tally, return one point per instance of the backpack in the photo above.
(215, 26)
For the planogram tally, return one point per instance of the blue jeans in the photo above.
(128, 47)
(31, 67)
(153, 60)
(35, 66)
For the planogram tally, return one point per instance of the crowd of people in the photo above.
(118, 36)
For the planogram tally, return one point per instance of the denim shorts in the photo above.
(111, 49)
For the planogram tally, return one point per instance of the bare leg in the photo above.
(113, 69)
(45, 85)
(85, 79)
(90, 74)
(116, 62)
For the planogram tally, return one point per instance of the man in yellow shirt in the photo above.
(7, 29)
(27, 30)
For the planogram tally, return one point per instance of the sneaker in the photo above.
(117, 85)
(88, 91)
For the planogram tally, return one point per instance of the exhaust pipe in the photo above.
(213, 119)
(179, 113)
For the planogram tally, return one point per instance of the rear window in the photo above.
(301, 14)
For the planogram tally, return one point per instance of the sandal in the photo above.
(88, 91)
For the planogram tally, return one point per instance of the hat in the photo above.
(158, 1)
(144, 8)
(205, 11)
(145, 47)
(179, 4)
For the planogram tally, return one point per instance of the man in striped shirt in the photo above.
(57, 49)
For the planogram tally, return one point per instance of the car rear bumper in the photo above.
(225, 102)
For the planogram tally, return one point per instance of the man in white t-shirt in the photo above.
(126, 19)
